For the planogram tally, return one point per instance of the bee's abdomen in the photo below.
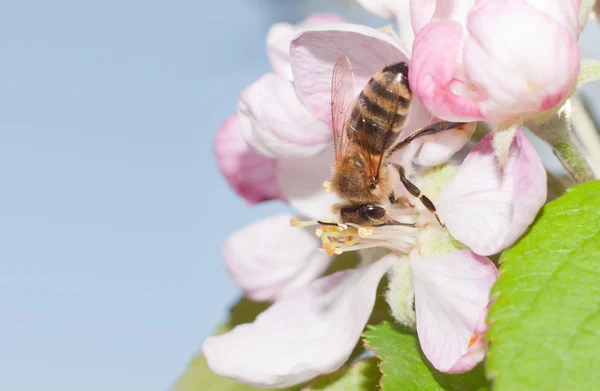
(384, 104)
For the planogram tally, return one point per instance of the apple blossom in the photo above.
(512, 62)
(300, 337)
(529, 49)
(250, 174)
(269, 258)
(270, 104)
(313, 326)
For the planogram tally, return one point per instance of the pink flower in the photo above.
(270, 113)
(270, 258)
(493, 59)
(250, 174)
(313, 329)
(314, 54)
(313, 326)
(285, 124)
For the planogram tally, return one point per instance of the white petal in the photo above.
(270, 258)
(306, 333)
(315, 52)
(300, 181)
(421, 12)
(393, 9)
(441, 147)
(565, 12)
(274, 122)
(451, 294)
(531, 60)
(280, 36)
(487, 208)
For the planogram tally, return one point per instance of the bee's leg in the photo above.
(427, 131)
(414, 190)
(394, 222)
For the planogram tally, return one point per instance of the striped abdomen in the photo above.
(382, 109)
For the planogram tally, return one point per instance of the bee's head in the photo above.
(367, 214)
(373, 181)
(352, 182)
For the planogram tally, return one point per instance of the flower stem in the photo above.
(575, 142)
(571, 154)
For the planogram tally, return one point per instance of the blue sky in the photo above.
(112, 210)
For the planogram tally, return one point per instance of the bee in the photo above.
(366, 130)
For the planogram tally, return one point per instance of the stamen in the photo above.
(298, 223)
(337, 238)
(350, 237)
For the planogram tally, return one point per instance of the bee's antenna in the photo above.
(326, 223)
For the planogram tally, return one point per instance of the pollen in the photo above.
(298, 223)
(337, 238)
(363, 232)
(328, 187)
(473, 339)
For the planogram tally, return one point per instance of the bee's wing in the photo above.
(342, 101)
(383, 140)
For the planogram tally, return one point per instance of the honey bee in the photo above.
(365, 131)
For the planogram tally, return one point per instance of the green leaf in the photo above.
(244, 311)
(363, 375)
(585, 8)
(199, 377)
(343, 261)
(545, 321)
(405, 368)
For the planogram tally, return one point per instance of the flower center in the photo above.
(416, 227)
(337, 238)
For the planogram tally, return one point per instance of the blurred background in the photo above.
(112, 209)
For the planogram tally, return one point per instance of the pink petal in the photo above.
(251, 175)
(433, 68)
(308, 332)
(269, 258)
(488, 209)
(301, 182)
(315, 52)
(531, 60)
(276, 124)
(451, 294)
(280, 36)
